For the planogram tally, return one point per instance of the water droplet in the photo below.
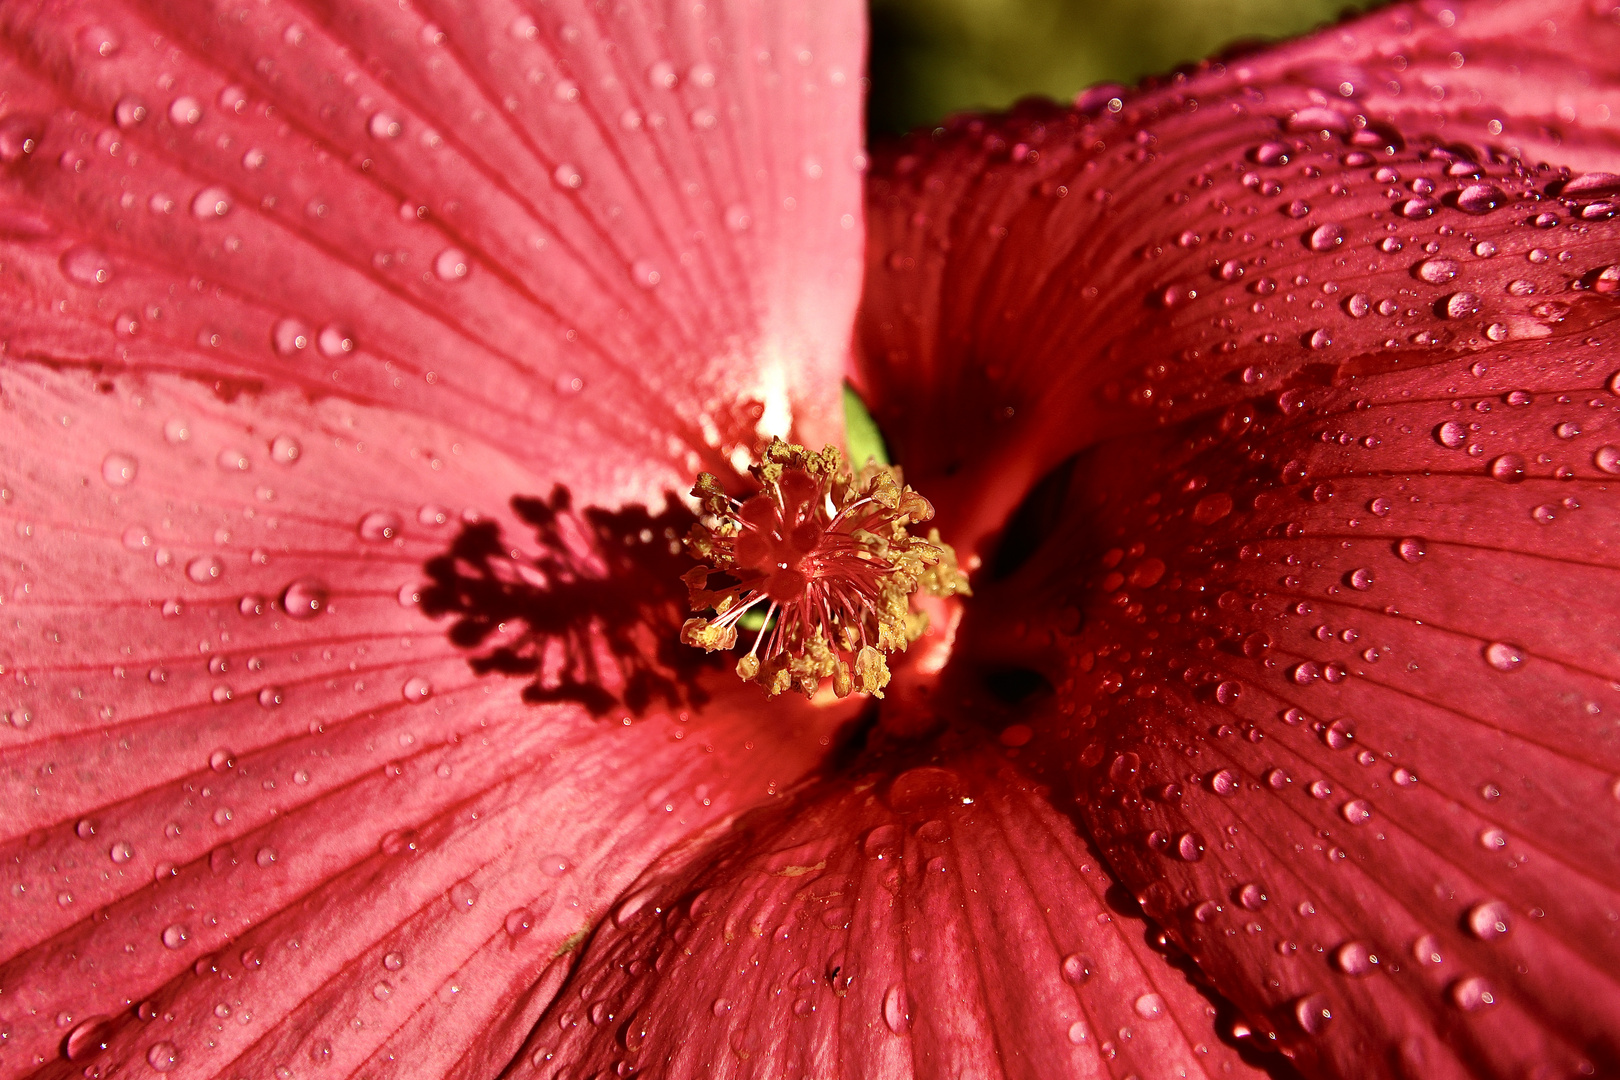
(1480, 198)
(118, 470)
(1225, 782)
(1270, 153)
(463, 895)
(1358, 305)
(1451, 434)
(1189, 847)
(567, 176)
(1312, 1014)
(1508, 468)
(290, 336)
(451, 264)
(1489, 920)
(210, 203)
(1319, 339)
(185, 110)
(1503, 656)
(175, 936)
(379, 525)
(1356, 811)
(1545, 514)
(1436, 271)
(285, 450)
(121, 852)
(1460, 305)
(1472, 993)
(304, 598)
(163, 1056)
(1079, 1033)
(897, 1009)
(393, 961)
(1149, 1007)
(383, 126)
(1077, 968)
(1355, 958)
(1252, 897)
(1228, 691)
(86, 265)
(334, 341)
(222, 760)
(205, 569)
(382, 991)
(1326, 238)
(1607, 458)
(417, 689)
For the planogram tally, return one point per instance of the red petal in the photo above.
(1336, 681)
(939, 923)
(1322, 437)
(271, 826)
(1041, 280)
(571, 229)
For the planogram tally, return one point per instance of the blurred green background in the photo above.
(934, 57)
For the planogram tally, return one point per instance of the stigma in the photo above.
(819, 565)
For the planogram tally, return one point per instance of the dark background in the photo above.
(934, 57)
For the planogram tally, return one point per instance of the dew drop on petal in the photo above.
(463, 895)
(1460, 305)
(1472, 993)
(213, 202)
(1077, 968)
(86, 266)
(1149, 1007)
(379, 525)
(1225, 782)
(1503, 656)
(285, 450)
(1489, 920)
(1508, 468)
(1436, 271)
(205, 569)
(451, 265)
(1410, 549)
(1355, 958)
(1451, 434)
(1480, 198)
(163, 1056)
(1356, 811)
(118, 470)
(175, 936)
(1252, 897)
(1325, 237)
(897, 1009)
(291, 336)
(1312, 1014)
(417, 689)
(1190, 847)
(305, 598)
(1607, 458)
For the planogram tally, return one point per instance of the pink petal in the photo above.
(556, 229)
(238, 816)
(939, 922)
(1040, 280)
(252, 789)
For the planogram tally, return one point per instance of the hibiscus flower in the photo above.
(356, 361)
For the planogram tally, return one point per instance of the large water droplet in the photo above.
(897, 1009)
(291, 336)
(567, 176)
(1508, 468)
(1451, 434)
(1312, 1014)
(1472, 993)
(118, 470)
(304, 598)
(463, 895)
(1411, 549)
(87, 266)
(1607, 458)
(417, 689)
(1149, 1007)
(1355, 958)
(1436, 271)
(1325, 237)
(285, 450)
(1225, 782)
(1189, 847)
(1356, 811)
(175, 936)
(1489, 920)
(1460, 305)
(1480, 198)
(163, 1056)
(379, 525)
(1077, 968)
(451, 265)
(210, 203)
(205, 569)
(1503, 656)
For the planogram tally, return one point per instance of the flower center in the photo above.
(824, 555)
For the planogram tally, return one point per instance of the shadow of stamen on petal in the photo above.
(589, 611)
